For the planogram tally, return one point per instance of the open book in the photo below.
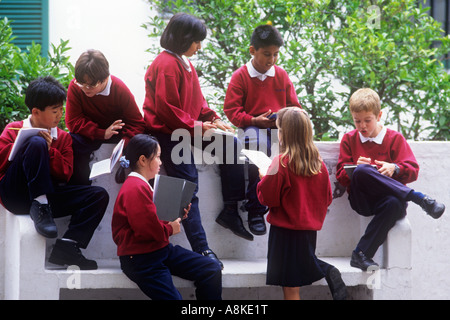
(24, 134)
(349, 168)
(258, 158)
(107, 165)
(171, 196)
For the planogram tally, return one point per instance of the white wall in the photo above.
(111, 26)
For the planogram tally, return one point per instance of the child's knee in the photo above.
(362, 172)
(37, 142)
(396, 206)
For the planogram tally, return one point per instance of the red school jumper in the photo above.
(393, 149)
(61, 154)
(247, 97)
(173, 96)
(90, 117)
(296, 202)
(136, 228)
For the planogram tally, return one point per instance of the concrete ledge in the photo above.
(236, 274)
(28, 277)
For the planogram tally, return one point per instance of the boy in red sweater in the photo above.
(35, 180)
(100, 109)
(256, 92)
(380, 192)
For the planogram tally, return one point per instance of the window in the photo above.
(29, 22)
(440, 11)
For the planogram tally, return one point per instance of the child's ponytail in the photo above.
(140, 144)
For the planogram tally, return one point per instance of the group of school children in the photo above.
(49, 177)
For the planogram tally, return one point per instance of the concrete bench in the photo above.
(28, 276)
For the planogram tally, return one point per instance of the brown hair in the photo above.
(296, 142)
(365, 99)
(92, 64)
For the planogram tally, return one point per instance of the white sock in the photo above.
(42, 199)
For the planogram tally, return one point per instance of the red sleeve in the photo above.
(345, 157)
(168, 106)
(61, 157)
(76, 120)
(402, 155)
(234, 102)
(270, 188)
(6, 142)
(142, 218)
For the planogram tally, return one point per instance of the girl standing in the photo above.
(146, 256)
(297, 191)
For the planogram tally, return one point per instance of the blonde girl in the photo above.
(297, 191)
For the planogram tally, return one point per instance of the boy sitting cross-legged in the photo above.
(379, 192)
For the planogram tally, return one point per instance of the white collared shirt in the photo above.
(107, 89)
(256, 74)
(53, 131)
(378, 139)
(140, 176)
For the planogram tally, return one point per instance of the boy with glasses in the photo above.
(100, 109)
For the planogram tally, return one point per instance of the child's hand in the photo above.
(176, 226)
(113, 129)
(262, 121)
(222, 125)
(363, 160)
(387, 169)
(260, 174)
(47, 136)
(207, 125)
(186, 211)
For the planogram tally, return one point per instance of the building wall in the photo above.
(111, 26)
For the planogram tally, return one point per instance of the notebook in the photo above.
(171, 196)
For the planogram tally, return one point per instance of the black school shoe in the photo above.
(230, 219)
(256, 224)
(67, 253)
(359, 260)
(41, 214)
(336, 284)
(432, 207)
(210, 254)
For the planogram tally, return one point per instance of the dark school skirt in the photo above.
(291, 258)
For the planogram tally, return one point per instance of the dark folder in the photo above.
(171, 196)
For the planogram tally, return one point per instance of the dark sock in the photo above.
(415, 197)
(230, 207)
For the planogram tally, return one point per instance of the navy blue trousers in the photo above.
(152, 272)
(232, 180)
(82, 149)
(255, 138)
(384, 198)
(28, 177)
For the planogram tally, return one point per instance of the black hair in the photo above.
(181, 31)
(44, 92)
(140, 144)
(266, 35)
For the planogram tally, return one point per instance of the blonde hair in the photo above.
(365, 99)
(296, 142)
